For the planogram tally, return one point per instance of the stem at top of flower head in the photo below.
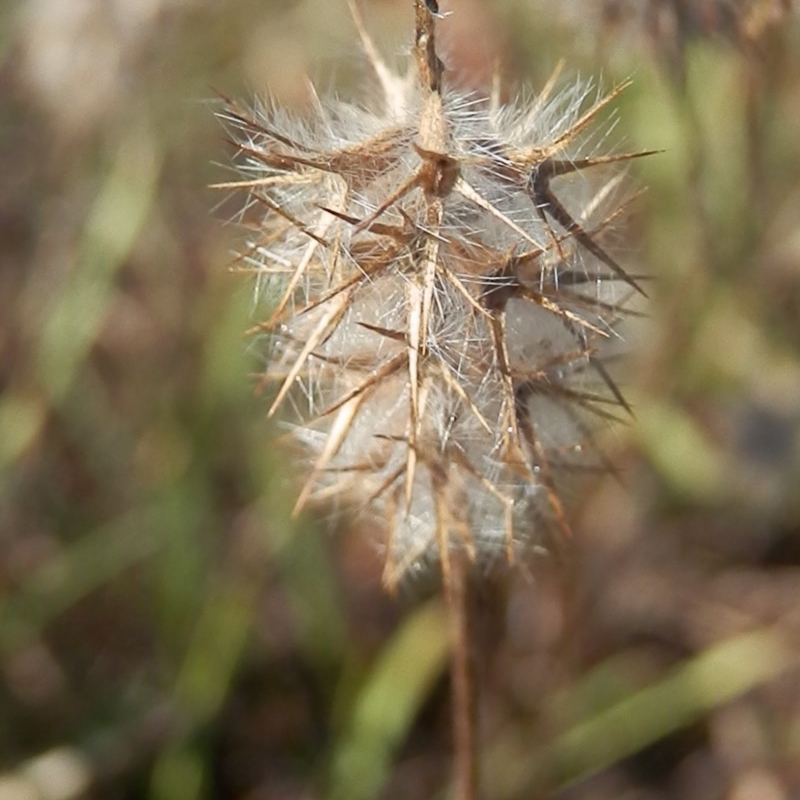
(429, 65)
(432, 136)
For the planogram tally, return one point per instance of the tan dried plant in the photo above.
(442, 301)
(440, 294)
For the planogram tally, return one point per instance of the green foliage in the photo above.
(169, 631)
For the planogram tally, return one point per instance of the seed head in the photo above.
(440, 295)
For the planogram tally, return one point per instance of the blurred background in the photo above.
(167, 632)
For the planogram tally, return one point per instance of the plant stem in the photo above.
(464, 711)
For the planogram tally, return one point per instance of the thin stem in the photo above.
(437, 176)
(464, 710)
(428, 63)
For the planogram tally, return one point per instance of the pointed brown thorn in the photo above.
(601, 370)
(590, 402)
(282, 161)
(545, 202)
(553, 307)
(512, 453)
(382, 487)
(615, 311)
(374, 376)
(415, 342)
(471, 194)
(397, 336)
(400, 192)
(299, 224)
(338, 433)
(558, 167)
(326, 322)
(547, 89)
(589, 115)
(397, 232)
(545, 473)
(240, 118)
(322, 299)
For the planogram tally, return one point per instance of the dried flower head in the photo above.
(441, 291)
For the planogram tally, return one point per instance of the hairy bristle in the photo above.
(440, 293)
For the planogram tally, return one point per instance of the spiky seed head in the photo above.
(440, 295)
